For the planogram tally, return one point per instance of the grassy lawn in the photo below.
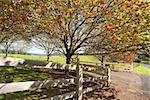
(138, 69)
(29, 57)
(22, 74)
(142, 70)
(57, 59)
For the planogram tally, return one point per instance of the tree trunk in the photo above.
(6, 52)
(102, 60)
(48, 57)
(68, 58)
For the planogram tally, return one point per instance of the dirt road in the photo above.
(129, 86)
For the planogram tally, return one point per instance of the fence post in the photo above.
(131, 67)
(107, 68)
(108, 73)
(79, 81)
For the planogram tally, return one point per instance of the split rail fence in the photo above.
(78, 81)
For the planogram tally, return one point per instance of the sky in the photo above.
(35, 50)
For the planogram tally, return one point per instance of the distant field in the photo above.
(57, 59)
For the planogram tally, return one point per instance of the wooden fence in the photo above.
(78, 81)
(115, 66)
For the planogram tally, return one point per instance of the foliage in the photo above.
(126, 30)
(13, 20)
(117, 25)
(128, 56)
(75, 23)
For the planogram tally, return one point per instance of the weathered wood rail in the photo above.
(33, 85)
(78, 81)
(116, 66)
(72, 94)
(70, 67)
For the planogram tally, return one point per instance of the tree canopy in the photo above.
(111, 25)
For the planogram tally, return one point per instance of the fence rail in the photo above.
(72, 94)
(85, 67)
(33, 85)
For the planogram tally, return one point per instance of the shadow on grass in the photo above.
(33, 63)
(22, 74)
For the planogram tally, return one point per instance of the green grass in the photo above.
(138, 69)
(62, 60)
(29, 57)
(88, 58)
(22, 74)
(56, 59)
(142, 70)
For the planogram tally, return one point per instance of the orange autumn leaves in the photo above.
(110, 27)
(102, 2)
(129, 56)
(98, 1)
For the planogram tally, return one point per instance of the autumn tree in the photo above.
(77, 22)
(20, 47)
(2, 37)
(46, 43)
(15, 19)
(7, 44)
(73, 23)
(127, 31)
